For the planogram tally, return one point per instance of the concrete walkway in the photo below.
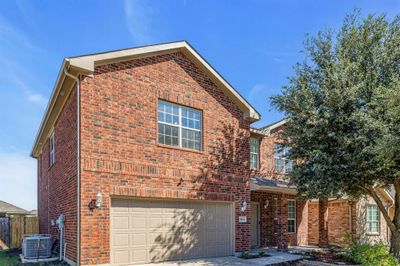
(274, 258)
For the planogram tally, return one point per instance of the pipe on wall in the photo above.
(78, 160)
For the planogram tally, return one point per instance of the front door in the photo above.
(255, 224)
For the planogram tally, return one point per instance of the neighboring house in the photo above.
(7, 210)
(33, 213)
(149, 154)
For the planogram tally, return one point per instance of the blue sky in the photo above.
(253, 44)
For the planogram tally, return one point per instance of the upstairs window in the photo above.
(282, 162)
(372, 219)
(254, 153)
(291, 216)
(179, 126)
(52, 150)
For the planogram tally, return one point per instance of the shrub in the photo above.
(371, 254)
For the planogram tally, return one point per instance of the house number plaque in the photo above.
(242, 219)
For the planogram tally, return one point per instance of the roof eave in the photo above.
(56, 90)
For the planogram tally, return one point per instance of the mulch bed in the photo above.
(330, 256)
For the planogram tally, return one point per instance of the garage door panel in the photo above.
(138, 222)
(138, 239)
(120, 240)
(222, 237)
(121, 256)
(222, 224)
(138, 255)
(120, 222)
(156, 238)
(167, 230)
(155, 222)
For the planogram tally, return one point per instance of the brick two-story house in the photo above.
(149, 154)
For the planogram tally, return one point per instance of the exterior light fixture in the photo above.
(266, 204)
(98, 200)
(244, 206)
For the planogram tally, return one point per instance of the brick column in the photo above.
(282, 238)
(323, 222)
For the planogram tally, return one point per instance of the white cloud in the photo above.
(37, 99)
(138, 21)
(256, 91)
(18, 181)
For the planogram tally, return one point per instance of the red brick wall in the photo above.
(338, 221)
(121, 157)
(57, 184)
(313, 223)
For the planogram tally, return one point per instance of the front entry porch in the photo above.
(279, 219)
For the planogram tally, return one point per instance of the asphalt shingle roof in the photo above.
(6, 207)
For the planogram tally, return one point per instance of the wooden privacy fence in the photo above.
(4, 232)
(13, 229)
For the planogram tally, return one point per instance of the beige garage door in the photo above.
(158, 230)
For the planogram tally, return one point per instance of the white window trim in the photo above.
(255, 153)
(180, 126)
(52, 149)
(295, 215)
(377, 221)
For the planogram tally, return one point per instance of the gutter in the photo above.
(55, 92)
(78, 162)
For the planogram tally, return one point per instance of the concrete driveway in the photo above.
(275, 257)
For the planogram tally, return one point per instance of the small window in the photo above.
(254, 153)
(291, 216)
(52, 150)
(282, 162)
(372, 219)
(179, 126)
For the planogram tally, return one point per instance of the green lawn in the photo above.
(9, 257)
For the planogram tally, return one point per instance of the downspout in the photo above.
(78, 152)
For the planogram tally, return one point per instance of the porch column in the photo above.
(282, 238)
(323, 222)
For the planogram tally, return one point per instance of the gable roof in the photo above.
(6, 207)
(85, 64)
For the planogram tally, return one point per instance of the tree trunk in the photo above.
(395, 245)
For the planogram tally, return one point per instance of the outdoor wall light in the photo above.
(266, 204)
(244, 206)
(98, 200)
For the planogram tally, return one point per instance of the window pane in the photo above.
(291, 209)
(278, 151)
(254, 153)
(191, 118)
(253, 161)
(168, 135)
(291, 226)
(191, 139)
(288, 166)
(168, 113)
(278, 165)
(372, 216)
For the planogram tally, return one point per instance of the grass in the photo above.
(8, 257)
(11, 258)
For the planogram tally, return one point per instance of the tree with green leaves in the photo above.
(343, 111)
